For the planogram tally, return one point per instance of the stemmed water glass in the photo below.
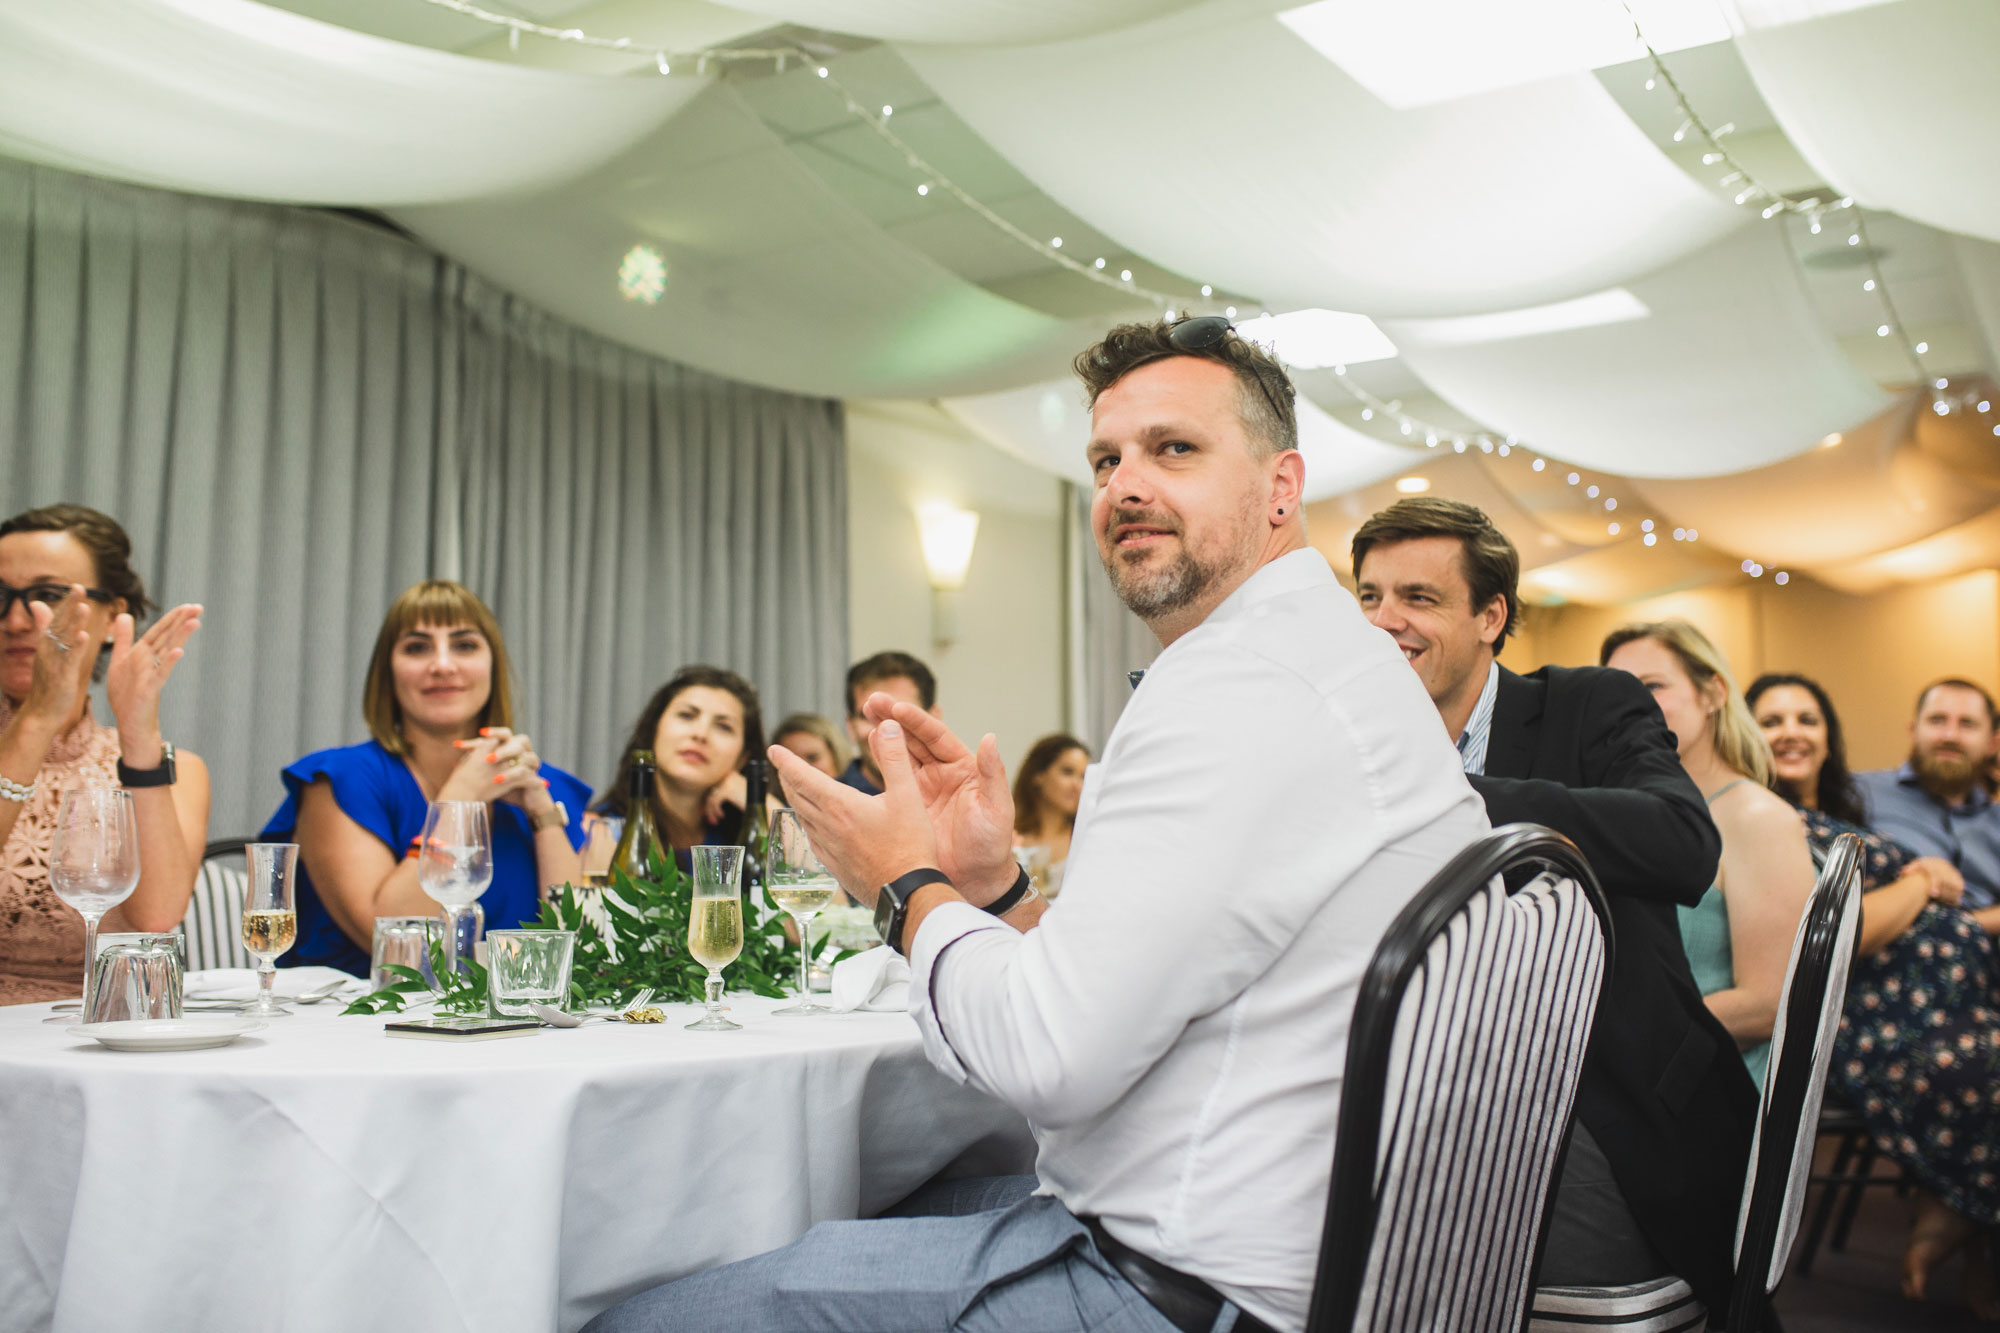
(94, 864)
(455, 865)
(799, 882)
(270, 923)
(715, 925)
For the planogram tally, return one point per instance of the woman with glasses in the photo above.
(66, 590)
(439, 706)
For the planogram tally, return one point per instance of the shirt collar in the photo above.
(1479, 727)
(1291, 572)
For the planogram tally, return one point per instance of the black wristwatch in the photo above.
(892, 906)
(163, 776)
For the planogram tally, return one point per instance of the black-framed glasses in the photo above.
(48, 594)
(1205, 331)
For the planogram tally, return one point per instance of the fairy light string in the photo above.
(669, 62)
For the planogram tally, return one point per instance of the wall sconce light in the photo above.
(948, 533)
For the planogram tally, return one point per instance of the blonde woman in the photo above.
(1739, 937)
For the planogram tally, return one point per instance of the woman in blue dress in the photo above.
(1918, 1051)
(439, 707)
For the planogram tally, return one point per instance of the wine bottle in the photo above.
(640, 841)
(755, 829)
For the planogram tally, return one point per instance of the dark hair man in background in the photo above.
(1938, 803)
(1654, 1170)
(904, 679)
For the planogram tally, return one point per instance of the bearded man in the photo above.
(1175, 1029)
(1939, 802)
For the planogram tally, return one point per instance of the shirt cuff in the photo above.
(945, 926)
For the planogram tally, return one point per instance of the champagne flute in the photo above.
(94, 864)
(601, 835)
(799, 882)
(715, 925)
(455, 865)
(270, 923)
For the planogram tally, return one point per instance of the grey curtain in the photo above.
(1109, 641)
(296, 416)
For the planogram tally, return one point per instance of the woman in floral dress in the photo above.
(1918, 1051)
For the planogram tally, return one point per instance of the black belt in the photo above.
(1188, 1303)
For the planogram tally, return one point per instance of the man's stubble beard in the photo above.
(1182, 583)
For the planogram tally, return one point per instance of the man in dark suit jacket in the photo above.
(1655, 1168)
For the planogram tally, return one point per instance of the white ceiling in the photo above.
(1188, 143)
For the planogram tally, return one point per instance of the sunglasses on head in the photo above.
(1206, 331)
(48, 594)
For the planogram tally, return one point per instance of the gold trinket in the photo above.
(646, 1015)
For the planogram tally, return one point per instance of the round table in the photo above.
(322, 1175)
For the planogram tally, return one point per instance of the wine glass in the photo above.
(455, 865)
(94, 863)
(799, 882)
(269, 922)
(715, 925)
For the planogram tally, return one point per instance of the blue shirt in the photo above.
(858, 779)
(1966, 834)
(1479, 727)
(376, 790)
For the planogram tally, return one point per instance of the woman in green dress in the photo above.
(1739, 938)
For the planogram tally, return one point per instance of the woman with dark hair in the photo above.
(1046, 792)
(701, 726)
(67, 589)
(1808, 749)
(1918, 1051)
(439, 703)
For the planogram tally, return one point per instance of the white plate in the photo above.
(167, 1034)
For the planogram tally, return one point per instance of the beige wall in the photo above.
(1872, 653)
(1003, 673)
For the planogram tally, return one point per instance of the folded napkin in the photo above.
(240, 983)
(878, 981)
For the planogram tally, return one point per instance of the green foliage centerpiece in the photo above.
(646, 944)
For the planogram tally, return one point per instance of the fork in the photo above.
(315, 996)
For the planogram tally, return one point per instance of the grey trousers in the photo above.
(1024, 1266)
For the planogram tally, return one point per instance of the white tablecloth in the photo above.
(320, 1175)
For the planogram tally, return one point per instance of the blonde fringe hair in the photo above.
(432, 604)
(1739, 741)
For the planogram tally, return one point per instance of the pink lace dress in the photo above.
(41, 936)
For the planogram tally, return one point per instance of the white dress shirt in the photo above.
(1175, 1030)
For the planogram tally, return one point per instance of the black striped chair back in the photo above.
(213, 926)
(1781, 1153)
(1801, 1049)
(1462, 1065)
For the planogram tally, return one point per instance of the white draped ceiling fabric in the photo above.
(1049, 426)
(1217, 142)
(234, 98)
(773, 277)
(1894, 104)
(1733, 369)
